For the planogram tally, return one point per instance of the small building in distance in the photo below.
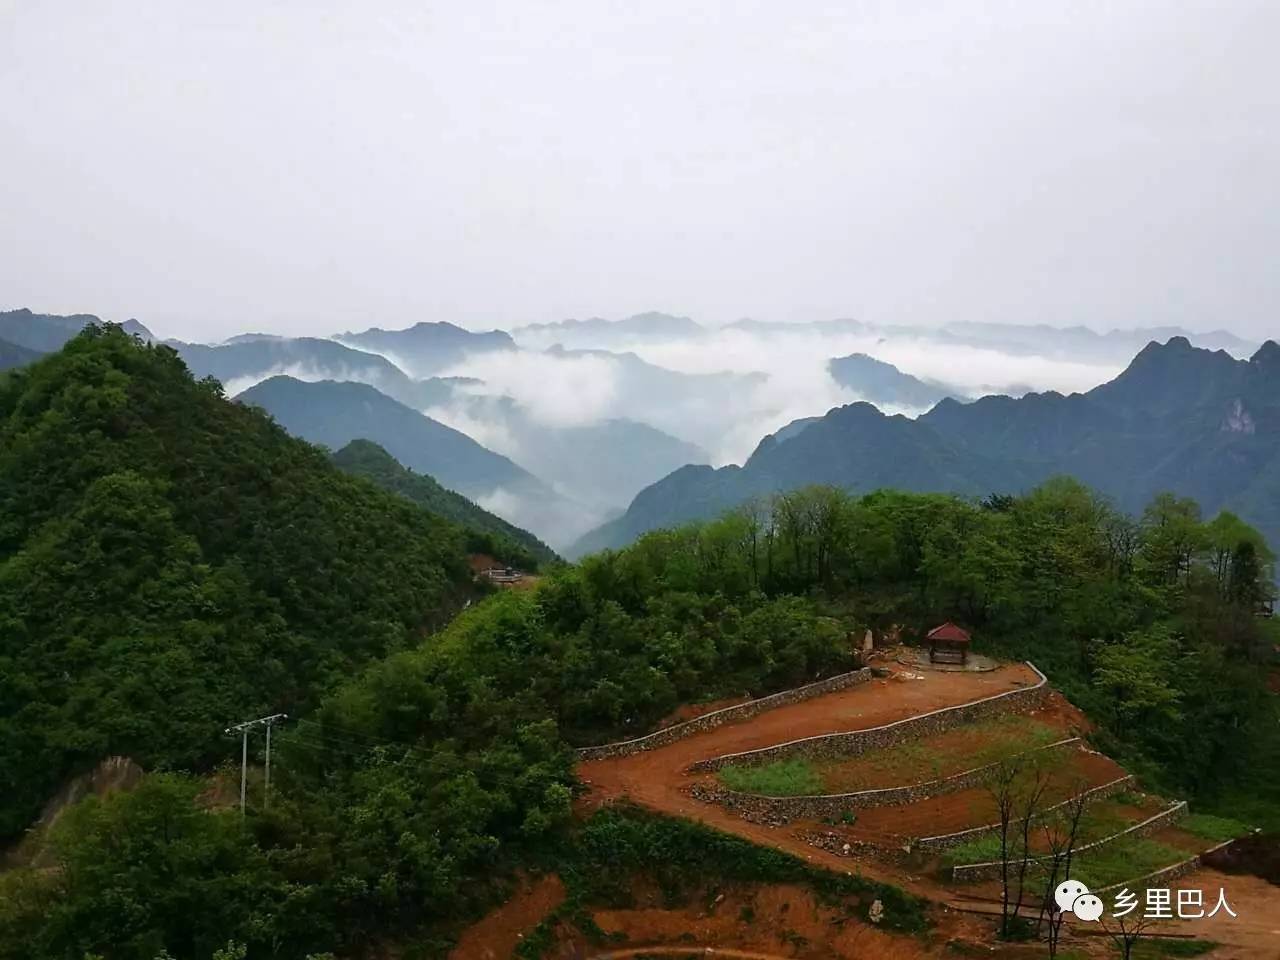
(948, 644)
(502, 575)
(489, 568)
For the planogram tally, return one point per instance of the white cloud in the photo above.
(556, 391)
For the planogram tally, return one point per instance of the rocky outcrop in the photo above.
(709, 721)
(109, 776)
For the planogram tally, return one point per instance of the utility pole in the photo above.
(243, 729)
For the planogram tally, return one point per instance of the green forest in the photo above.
(171, 562)
(486, 533)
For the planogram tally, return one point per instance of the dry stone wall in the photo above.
(766, 809)
(1166, 875)
(856, 742)
(948, 840)
(850, 847)
(991, 869)
(709, 721)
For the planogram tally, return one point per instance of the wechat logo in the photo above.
(1072, 896)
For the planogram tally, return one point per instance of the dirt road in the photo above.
(658, 778)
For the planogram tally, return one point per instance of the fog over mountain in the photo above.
(583, 428)
(1179, 419)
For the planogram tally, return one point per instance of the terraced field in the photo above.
(894, 837)
(930, 758)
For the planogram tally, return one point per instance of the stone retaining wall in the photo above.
(709, 721)
(948, 840)
(1170, 873)
(991, 869)
(765, 809)
(847, 847)
(856, 742)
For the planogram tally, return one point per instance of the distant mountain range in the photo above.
(883, 383)
(1078, 344)
(696, 407)
(1082, 343)
(334, 414)
(1196, 422)
(43, 333)
(598, 333)
(12, 355)
(602, 464)
(426, 349)
(651, 426)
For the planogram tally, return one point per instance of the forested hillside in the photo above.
(486, 533)
(12, 355)
(171, 561)
(418, 786)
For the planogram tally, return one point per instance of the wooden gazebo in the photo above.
(948, 644)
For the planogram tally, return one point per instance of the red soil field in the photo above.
(658, 778)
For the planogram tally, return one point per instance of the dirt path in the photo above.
(657, 778)
(856, 708)
(500, 932)
(1254, 933)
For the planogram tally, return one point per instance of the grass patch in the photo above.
(984, 849)
(783, 778)
(1213, 828)
(970, 746)
(1124, 860)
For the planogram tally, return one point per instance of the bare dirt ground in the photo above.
(1254, 933)
(500, 932)
(658, 779)
(773, 922)
(756, 922)
(866, 705)
(976, 807)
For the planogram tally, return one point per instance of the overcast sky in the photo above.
(312, 166)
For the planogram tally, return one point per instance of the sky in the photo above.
(311, 166)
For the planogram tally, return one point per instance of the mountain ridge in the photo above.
(334, 413)
(1199, 423)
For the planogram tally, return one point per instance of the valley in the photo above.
(639, 481)
(683, 744)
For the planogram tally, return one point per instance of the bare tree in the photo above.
(1019, 786)
(1061, 831)
(1128, 932)
(1003, 788)
(1035, 780)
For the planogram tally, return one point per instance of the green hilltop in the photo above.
(171, 562)
(486, 533)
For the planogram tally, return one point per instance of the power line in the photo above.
(243, 728)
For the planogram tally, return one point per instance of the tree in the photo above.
(1172, 537)
(1061, 831)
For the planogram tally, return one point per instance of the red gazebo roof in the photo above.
(949, 632)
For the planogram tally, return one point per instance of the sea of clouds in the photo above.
(575, 389)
